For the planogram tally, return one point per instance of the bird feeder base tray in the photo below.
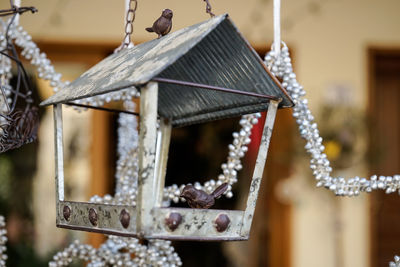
(167, 223)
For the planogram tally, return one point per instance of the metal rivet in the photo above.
(222, 222)
(93, 216)
(173, 220)
(124, 218)
(67, 212)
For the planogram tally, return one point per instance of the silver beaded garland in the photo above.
(120, 251)
(5, 76)
(3, 240)
(396, 262)
(280, 64)
(230, 169)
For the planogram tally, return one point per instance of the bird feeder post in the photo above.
(147, 155)
(59, 152)
(259, 168)
(163, 141)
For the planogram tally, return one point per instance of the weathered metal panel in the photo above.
(197, 224)
(259, 168)
(147, 156)
(223, 59)
(59, 151)
(108, 218)
(163, 141)
(136, 65)
(211, 53)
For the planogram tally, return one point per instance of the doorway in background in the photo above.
(384, 145)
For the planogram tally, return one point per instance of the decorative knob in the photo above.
(222, 222)
(93, 216)
(67, 212)
(173, 220)
(124, 218)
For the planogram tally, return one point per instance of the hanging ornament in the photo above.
(18, 116)
(174, 93)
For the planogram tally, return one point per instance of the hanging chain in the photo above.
(130, 17)
(208, 8)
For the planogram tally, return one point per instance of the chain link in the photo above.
(208, 8)
(130, 17)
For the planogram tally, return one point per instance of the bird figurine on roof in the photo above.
(163, 24)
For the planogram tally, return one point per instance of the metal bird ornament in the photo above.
(163, 24)
(199, 199)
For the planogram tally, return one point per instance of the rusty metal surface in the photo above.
(212, 53)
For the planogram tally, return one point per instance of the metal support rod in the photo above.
(163, 140)
(215, 88)
(259, 168)
(101, 108)
(59, 152)
(147, 153)
(15, 9)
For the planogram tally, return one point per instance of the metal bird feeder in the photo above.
(204, 72)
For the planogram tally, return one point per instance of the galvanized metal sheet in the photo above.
(136, 65)
(211, 53)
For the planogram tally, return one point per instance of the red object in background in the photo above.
(256, 133)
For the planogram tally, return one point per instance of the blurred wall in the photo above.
(329, 40)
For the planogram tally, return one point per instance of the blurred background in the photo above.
(346, 54)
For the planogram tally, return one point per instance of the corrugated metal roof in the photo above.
(212, 53)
